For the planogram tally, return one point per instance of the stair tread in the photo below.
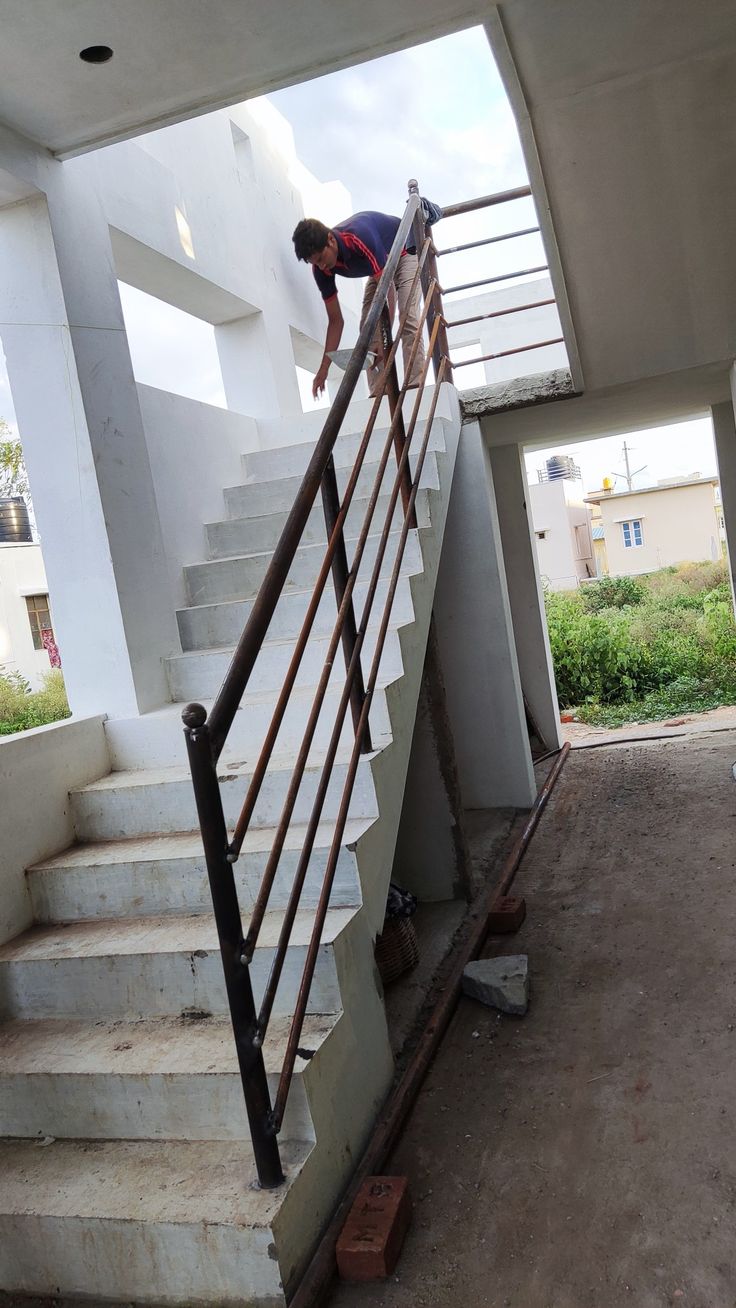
(317, 547)
(141, 777)
(176, 1181)
(187, 844)
(186, 933)
(190, 1045)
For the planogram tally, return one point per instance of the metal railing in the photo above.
(206, 735)
(471, 206)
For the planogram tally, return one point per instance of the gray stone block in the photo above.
(499, 982)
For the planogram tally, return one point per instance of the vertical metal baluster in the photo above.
(331, 506)
(230, 933)
(436, 310)
(391, 387)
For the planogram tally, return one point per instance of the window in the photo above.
(541, 535)
(632, 533)
(39, 616)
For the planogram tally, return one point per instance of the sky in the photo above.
(438, 113)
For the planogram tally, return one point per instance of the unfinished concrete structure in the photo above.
(142, 1191)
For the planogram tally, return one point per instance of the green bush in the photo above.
(612, 593)
(661, 645)
(20, 708)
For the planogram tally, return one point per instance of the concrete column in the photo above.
(724, 431)
(525, 591)
(80, 423)
(258, 368)
(476, 639)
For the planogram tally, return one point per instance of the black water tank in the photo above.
(15, 525)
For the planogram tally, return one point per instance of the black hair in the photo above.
(310, 237)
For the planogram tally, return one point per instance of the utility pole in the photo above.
(629, 475)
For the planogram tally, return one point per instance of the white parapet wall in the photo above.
(38, 768)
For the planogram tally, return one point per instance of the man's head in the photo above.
(315, 244)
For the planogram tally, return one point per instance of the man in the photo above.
(359, 247)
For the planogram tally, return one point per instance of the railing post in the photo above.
(230, 933)
(331, 507)
(391, 385)
(429, 273)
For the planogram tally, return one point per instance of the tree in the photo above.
(13, 475)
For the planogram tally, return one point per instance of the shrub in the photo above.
(612, 593)
(664, 646)
(20, 708)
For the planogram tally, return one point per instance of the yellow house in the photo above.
(672, 522)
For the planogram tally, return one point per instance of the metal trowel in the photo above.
(343, 357)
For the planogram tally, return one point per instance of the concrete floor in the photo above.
(585, 1155)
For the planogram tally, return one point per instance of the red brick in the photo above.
(506, 915)
(370, 1242)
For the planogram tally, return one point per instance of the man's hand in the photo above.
(320, 379)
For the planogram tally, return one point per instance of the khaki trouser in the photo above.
(403, 278)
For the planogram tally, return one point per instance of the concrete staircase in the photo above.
(127, 1172)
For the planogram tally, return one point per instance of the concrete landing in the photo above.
(582, 1157)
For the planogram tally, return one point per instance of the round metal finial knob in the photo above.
(194, 715)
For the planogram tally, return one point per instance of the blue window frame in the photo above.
(632, 533)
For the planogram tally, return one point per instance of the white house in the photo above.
(562, 527)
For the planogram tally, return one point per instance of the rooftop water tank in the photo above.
(15, 525)
(560, 465)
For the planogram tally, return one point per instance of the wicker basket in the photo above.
(397, 949)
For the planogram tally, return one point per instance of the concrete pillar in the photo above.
(258, 368)
(476, 639)
(724, 431)
(525, 591)
(79, 417)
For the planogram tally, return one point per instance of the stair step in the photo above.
(216, 626)
(161, 801)
(255, 499)
(241, 577)
(198, 674)
(136, 1220)
(156, 739)
(153, 875)
(292, 460)
(172, 1078)
(254, 535)
(154, 966)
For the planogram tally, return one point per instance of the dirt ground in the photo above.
(720, 719)
(585, 1156)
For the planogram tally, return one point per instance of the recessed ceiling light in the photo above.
(96, 54)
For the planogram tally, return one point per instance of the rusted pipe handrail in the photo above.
(500, 277)
(248, 647)
(321, 913)
(499, 313)
(288, 806)
(487, 240)
(502, 354)
(282, 703)
(485, 201)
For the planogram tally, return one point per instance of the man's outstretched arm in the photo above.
(335, 325)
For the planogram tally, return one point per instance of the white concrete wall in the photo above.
(195, 451)
(39, 768)
(21, 573)
(679, 525)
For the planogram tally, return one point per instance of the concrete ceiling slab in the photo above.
(175, 58)
(633, 113)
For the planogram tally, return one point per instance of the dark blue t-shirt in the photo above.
(363, 246)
